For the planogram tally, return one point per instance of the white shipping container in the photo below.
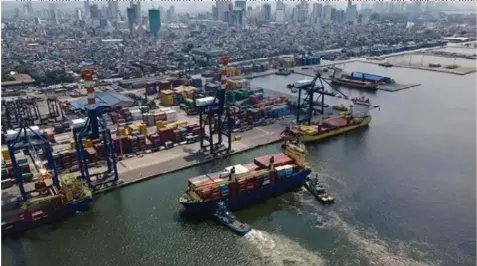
(302, 83)
(239, 169)
(164, 109)
(204, 101)
(78, 123)
(266, 182)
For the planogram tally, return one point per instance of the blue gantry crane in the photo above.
(213, 109)
(32, 139)
(92, 128)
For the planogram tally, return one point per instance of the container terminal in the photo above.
(109, 139)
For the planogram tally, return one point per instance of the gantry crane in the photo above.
(308, 103)
(94, 129)
(214, 111)
(32, 139)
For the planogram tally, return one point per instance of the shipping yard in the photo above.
(291, 139)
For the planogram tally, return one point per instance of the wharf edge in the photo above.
(276, 139)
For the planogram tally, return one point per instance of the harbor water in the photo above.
(404, 189)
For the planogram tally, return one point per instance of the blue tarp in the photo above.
(103, 99)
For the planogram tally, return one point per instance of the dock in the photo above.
(388, 87)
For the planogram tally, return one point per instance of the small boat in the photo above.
(289, 86)
(318, 190)
(228, 219)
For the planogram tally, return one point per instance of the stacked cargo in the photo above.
(283, 172)
(122, 145)
(164, 85)
(279, 111)
(278, 160)
(167, 97)
(196, 82)
(336, 122)
(171, 116)
(136, 113)
(155, 140)
(177, 83)
(58, 128)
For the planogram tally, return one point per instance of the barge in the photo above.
(240, 185)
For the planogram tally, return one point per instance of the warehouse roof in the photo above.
(104, 99)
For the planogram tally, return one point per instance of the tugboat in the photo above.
(318, 190)
(228, 219)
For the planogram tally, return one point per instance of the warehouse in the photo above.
(104, 99)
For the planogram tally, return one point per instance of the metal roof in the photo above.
(104, 99)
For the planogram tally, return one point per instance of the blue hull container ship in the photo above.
(73, 197)
(241, 185)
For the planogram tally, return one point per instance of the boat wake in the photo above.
(376, 250)
(272, 249)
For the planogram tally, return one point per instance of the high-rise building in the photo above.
(94, 12)
(266, 12)
(86, 8)
(113, 9)
(222, 8)
(138, 13)
(131, 15)
(241, 4)
(78, 15)
(351, 12)
(238, 15)
(327, 13)
(215, 13)
(317, 11)
(154, 21)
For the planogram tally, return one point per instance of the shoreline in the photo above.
(178, 164)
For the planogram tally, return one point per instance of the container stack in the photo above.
(171, 116)
(136, 113)
(264, 180)
(149, 119)
(164, 85)
(283, 172)
(58, 128)
(167, 97)
(279, 159)
(197, 82)
(279, 111)
(141, 142)
(155, 140)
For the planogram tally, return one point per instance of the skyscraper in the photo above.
(242, 5)
(222, 8)
(154, 21)
(266, 12)
(131, 14)
(351, 12)
(86, 8)
(113, 9)
(138, 13)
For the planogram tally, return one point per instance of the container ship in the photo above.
(49, 206)
(330, 127)
(356, 80)
(243, 185)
